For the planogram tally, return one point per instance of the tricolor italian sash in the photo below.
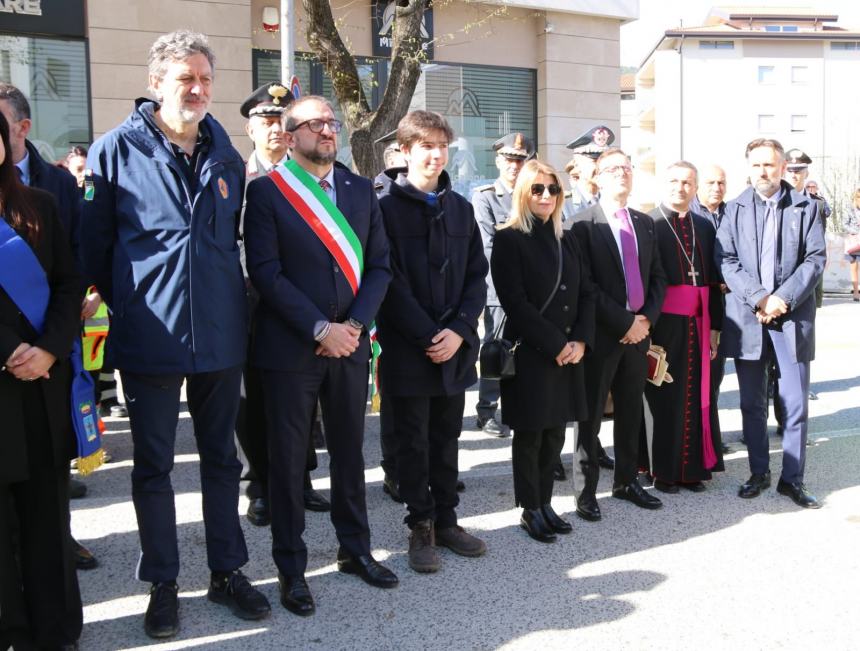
(328, 223)
(23, 279)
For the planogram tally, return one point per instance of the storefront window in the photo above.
(482, 103)
(52, 73)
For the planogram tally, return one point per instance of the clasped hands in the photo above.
(446, 343)
(638, 330)
(341, 341)
(769, 308)
(30, 363)
(571, 353)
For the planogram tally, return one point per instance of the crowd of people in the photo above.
(273, 289)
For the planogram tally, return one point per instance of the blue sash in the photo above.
(23, 279)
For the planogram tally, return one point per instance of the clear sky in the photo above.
(656, 16)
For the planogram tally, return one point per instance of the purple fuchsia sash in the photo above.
(690, 301)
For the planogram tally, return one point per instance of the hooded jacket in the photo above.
(439, 281)
(165, 257)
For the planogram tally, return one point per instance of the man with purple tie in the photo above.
(629, 287)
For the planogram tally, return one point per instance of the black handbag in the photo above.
(498, 355)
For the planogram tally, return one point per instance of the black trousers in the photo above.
(427, 429)
(290, 400)
(252, 437)
(488, 390)
(622, 369)
(40, 602)
(534, 454)
(153, 409)
(387, 439)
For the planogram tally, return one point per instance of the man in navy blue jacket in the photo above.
(771, 249)
(161, 206)
(316, 252)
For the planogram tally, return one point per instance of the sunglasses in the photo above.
(539, 188)
(317, 126)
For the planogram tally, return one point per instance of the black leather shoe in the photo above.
(296, 595)
(460, 486)
(556, 523)
(77, 488)
(605, 461)
(314, 501)
(755, 485)
(536, 526)
(390, 487)
(666, 486)
(84, 559)
(726, 448)
(370, 571)
(558, 473)
(233, 589)
(162, 614)
(258, 512)
(493, 427)
(694, 486)
(587, 508)
(633, 492)
(798, 492)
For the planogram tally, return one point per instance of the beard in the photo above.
(766, 186)
(319, 156)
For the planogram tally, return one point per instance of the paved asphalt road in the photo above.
(707, 571)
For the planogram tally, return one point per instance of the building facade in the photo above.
(704, 92)
(547, 68)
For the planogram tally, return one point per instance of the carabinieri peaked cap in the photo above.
(515, 145)
(593, 142)
(268, 99)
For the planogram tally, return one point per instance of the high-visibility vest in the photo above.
(94, 337)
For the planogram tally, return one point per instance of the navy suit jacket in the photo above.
(299, 282)
(801, 255)
(595, 239)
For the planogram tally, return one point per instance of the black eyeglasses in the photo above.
(317, 126)
(539, 188)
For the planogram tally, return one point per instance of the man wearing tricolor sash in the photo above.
(318, 255)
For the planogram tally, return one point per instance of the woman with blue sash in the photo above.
(40, 299)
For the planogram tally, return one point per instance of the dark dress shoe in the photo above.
(296, 595)
(587, 508)
(84, 559)
(798, 492)
(605, 461)
(666, 486)
(694, 486)
(460, 486)
(390, 487)
(314, 501)
(118, 411)
(370, 571)
(77, 488)
(162, 614)
(558, 472)
(493, 427)
(726, 448)
(258, 512)
(233, 589)
(556, 523)
(536, 526)
(633, 492)
(755, 485)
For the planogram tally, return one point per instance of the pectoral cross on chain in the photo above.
(694, 276)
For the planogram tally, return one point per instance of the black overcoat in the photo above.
(524, 268)
(62, 325)
(439, 273)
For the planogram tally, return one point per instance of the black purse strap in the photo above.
(498, 331)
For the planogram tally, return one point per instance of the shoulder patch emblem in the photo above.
(222, 187)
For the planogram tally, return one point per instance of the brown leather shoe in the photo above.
(423, 556)
(460, 542)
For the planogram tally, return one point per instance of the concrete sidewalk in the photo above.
(707, 571)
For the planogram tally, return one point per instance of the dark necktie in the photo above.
(20, 173)
(326, 186)
(632, 276)
(767, 261)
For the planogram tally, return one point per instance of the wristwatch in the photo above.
(355, 323)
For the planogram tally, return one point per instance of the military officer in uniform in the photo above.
(581, 167)
(264, 110)
(492, 205)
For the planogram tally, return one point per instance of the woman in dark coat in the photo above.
(548, 389)
(40, 603)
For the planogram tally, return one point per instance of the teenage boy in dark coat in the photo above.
(428, 329)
